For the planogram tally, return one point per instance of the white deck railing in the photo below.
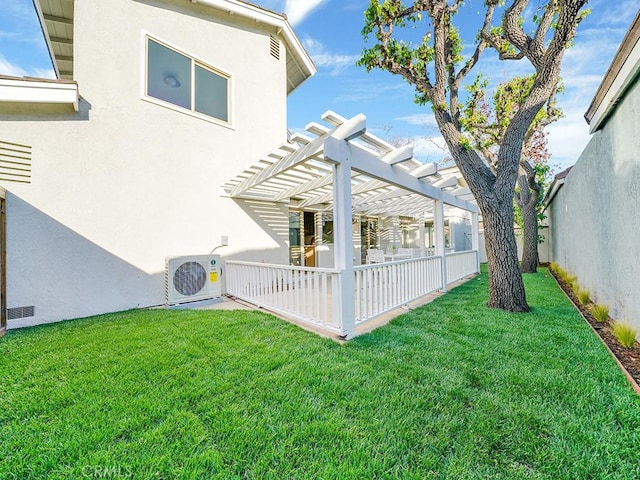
(382, 287)
(461, 264)
(312, 295)
(305, 294)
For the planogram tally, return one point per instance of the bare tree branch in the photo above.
(482, 44)
(439, 42)
(513, 32)
(537, 45)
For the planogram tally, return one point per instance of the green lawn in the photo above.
(449, 390)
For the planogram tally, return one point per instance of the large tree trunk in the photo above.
(495, 201)
(527, 200)
(506, 289)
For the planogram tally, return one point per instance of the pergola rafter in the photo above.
(300, 170)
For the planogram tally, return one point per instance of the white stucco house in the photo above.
(165, 133)
(158, 103)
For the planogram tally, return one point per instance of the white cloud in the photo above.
(620, 12)
(568, 137)
(334, 63)
(430, 149)
(297, 10)
(20, 9)
(7, 68)
(583, 69)
(366, 92)
(424, 119)
(44, 73)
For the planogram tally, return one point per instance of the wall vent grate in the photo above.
(274, 47)
(15, 162)
(20, 312)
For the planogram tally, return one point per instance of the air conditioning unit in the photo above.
(192, 278)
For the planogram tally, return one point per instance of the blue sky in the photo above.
(330, 31)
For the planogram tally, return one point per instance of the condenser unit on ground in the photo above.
(192, 278)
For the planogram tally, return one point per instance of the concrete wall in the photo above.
(594, 219)
(543, 248)
(124, 182)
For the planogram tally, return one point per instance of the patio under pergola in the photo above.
(347, 172)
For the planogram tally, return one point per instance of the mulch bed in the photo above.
(628, 358)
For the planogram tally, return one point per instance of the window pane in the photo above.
(211, 94)
(168, 75)
(295, 251)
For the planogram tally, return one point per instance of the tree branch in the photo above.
(482, 44)
(513, 32)
(439, 44)
(537, 45)
(568, 19)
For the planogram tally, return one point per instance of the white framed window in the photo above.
(178, 79)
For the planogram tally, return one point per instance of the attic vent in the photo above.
(15, 162)
(274, 46)
(20, 312)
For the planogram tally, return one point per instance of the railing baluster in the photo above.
(313, 295)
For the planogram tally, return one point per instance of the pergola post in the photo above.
(421, 236)
(475, 236)
(395, 234)
(337, 150)
(438, 225)
(343, 244)
(319, 229)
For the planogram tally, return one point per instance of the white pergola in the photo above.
(346, 170)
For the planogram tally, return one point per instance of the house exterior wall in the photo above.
(124, 182)
(594, 220)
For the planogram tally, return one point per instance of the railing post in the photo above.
(475, 238)
(438, 223)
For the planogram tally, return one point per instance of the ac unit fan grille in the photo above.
(189, 278)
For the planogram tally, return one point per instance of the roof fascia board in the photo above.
(624, 78)
(555, 187)
(29, 91)
(623, 69)
(269, 18)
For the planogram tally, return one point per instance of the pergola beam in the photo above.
(336, 120)
(372, 166)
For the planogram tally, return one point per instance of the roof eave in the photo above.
(623, 69)
(45, 34)
(557, 183)
(292, 43)
(44, 91)
(303, 65)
